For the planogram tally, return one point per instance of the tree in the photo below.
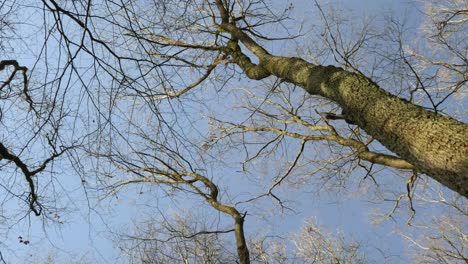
(141, 76)
(401, 126)
(443, 238)
(182, 242)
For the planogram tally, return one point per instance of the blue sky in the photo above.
(89, 224)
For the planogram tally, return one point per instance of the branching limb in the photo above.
(34, 204)
(175, 94)
(174, 177)
(361, 150)
(409, 187)
(16, 68)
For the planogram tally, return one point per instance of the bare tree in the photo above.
(128, 91)
(442, 239)
(181, 240)
(178, 239)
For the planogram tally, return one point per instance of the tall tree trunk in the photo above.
(242, 250)
(437, 145)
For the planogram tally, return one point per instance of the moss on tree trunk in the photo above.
(437, 145)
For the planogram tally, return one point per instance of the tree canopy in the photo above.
(236, 107)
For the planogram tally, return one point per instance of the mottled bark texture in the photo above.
(437, 145)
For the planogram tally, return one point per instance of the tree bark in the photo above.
(436, 145)
(242, 250)
(241, 244)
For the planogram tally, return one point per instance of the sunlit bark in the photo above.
(437, 145)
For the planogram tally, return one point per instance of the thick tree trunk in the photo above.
(242, 250)
(437, 145)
